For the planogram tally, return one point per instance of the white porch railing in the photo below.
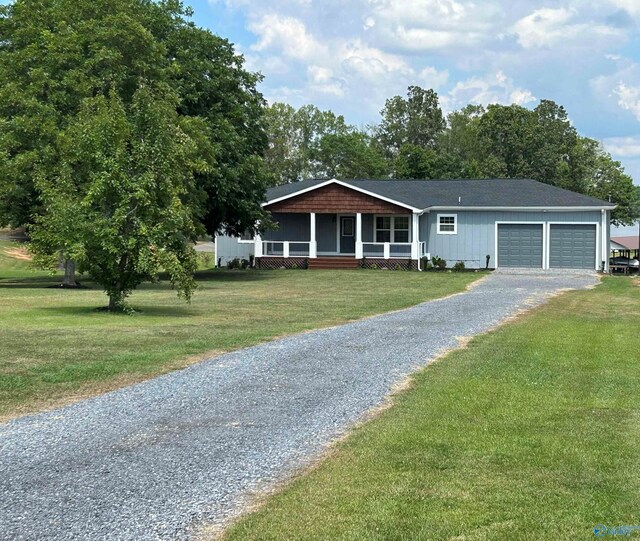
(287, 248)
(382, 250)
(388, 250)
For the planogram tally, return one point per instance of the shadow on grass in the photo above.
(224, 275)
(35, 282)
(208, 276)
(145, 311)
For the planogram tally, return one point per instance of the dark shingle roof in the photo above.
(423, 194)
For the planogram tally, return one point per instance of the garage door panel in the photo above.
(572, 246)
(520, 245)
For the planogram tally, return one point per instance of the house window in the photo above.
(383, 229)
(447, 224)
(347, 227)
(392, 228)
(401, 229)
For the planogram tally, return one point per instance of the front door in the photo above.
(347, 234)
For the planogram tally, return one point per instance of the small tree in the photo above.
(117, 204)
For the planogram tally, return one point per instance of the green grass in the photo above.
(55, 345)
(532, 432)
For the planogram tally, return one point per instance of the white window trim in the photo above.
(392, 231)
(455, 224)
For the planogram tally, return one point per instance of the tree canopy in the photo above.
(183, 135)
(310, 143)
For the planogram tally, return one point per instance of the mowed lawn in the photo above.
(55, 346)
(532, 432)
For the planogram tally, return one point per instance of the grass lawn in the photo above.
(55, 346)
(532, 432)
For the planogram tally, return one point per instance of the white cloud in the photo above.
(319, 74)
(331, 66)
(632, 7)
(368, 62)
(432, 78)
(286, 34)
(493, 88)
(548, 27)
(423, 25)
(629, 98)
(623, 147)
(369, 22)
(323, 81)
(620, 90)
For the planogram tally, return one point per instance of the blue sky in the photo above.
(350, 56)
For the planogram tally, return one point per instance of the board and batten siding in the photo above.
(476, 232)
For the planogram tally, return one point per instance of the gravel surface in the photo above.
(153, 460)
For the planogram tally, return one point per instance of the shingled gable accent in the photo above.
(335, 198)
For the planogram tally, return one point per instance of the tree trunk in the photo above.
(69, 279)
(116, 301)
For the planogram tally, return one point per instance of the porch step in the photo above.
(334, 263)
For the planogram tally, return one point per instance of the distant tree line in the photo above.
(414, 140)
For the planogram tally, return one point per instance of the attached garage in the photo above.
(520, 245)
(572, 246)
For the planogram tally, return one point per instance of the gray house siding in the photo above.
(293, 227)
(476, 232)
(326, 227)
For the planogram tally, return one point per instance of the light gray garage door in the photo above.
(572, 246)
(520, 245)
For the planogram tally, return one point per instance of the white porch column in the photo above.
(387, 250)
(313, 244)
(359, 246)
(415, 234)
(257, 246)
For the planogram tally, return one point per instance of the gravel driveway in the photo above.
(152, 460)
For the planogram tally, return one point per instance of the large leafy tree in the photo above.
(295, 139)
(415, 162)
(213, 86)
(56, 60)
(415, 120)
(349, 155)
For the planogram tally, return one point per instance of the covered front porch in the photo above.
(367, 239)
(342, 224)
